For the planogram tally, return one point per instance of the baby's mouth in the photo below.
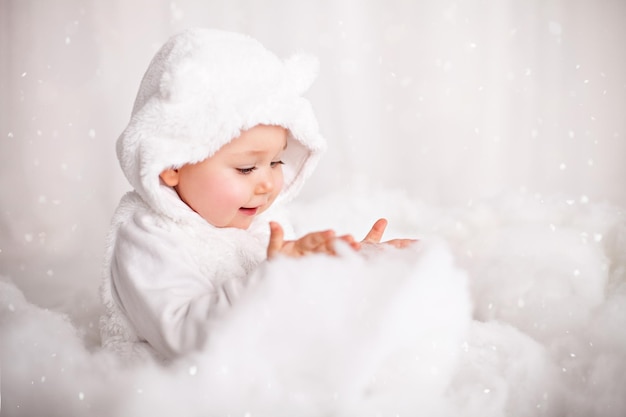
(249, 211)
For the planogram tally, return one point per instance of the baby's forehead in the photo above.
(259, 138)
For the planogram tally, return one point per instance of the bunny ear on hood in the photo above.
(202, 88)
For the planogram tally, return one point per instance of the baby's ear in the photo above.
(169, 177)
(302, 70)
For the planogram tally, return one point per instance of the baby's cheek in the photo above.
(280, 182)
(234, 191)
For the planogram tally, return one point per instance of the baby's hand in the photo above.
(316, 242)
(376, 233)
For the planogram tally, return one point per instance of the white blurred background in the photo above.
(448, 101)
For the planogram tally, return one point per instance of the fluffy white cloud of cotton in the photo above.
(509, 307)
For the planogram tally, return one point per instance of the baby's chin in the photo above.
(242, 219)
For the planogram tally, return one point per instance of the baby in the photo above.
(219, 139)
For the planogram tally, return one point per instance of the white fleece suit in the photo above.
(168, 273)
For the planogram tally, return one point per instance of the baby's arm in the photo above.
(158, 286)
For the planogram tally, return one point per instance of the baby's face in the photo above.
(237, 183)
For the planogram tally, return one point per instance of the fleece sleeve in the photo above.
(156, 285)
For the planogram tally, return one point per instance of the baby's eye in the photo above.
(246, 171)
(276, 163)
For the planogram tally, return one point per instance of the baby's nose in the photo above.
(265, 185)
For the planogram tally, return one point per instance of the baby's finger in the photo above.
(349, 239)
(314, 242)
(276, 240)
(377, 231)
(401, 243)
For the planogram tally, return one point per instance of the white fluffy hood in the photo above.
(202, 88)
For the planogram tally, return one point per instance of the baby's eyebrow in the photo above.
(254, 152)
(260, 151)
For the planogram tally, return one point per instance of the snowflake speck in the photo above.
(554, 27)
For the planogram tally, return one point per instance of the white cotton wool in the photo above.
(263, 360)
(338, 336)
(45, 368)
(544, 282)
(593, 361)
(504, 372)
